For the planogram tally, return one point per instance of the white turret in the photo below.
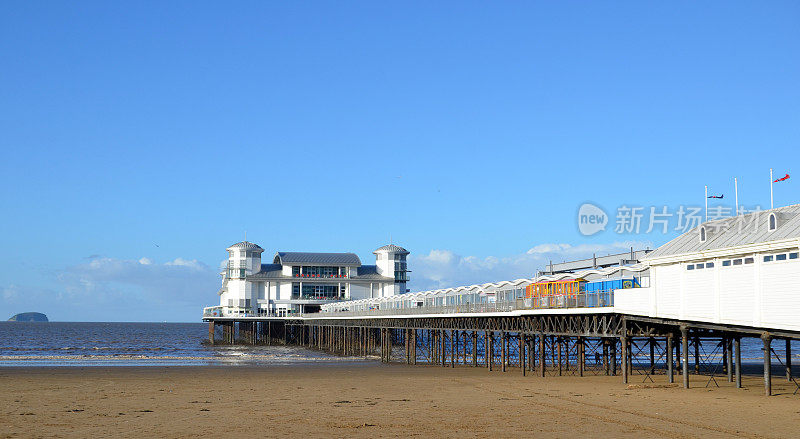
(244, 259)
(391, 262)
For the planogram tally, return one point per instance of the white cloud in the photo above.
(444, 268)
(104, 289)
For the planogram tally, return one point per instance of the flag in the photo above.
(717, 196)
(785, 177)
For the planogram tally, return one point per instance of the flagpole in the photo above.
(736, 191)
(771, 202)
(706, 203)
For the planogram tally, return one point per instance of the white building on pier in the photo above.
(298, 282)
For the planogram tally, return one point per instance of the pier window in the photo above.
(773, 222)
(794, 255)
(780, 257)
(726, 263)
(768, 258)
(319, 271)
(690, 267)
(709, 265)
(749, 260)
(737, 262)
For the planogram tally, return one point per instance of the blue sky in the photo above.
(139, 140)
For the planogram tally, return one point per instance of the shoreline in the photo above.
(374, 399)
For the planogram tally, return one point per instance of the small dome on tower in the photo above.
(245, 245)
(391, 248)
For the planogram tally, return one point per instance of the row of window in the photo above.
(317, 291)
(744, 261)
(313, 271)
(382, 256)
(781, 257)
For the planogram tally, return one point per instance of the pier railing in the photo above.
(584, 300)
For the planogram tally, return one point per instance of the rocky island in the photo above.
(29, 317)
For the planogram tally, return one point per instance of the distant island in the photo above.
(29, 317)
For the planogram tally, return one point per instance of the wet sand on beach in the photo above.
(378, 401)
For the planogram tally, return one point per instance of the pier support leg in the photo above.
(531, 352)
(522, 352)
(581, 356)
(670, 366)
(453, 348)
(606, 366)
(767, 339)
(490, 357)
(685, 356)
(503, 351)
(788, 360)
(444, 347)
(738, 361)
(729, 357)
(613, 345)
(560, 361)
(697, 354)
(652, 343)
(542, 365)
(211, 332)
(624, 343)
(724, 345)
(474, 349)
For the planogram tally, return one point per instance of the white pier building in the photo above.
(300, 282)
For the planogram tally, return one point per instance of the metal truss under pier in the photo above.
(635, 348)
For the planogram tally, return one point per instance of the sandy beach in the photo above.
(377, 401)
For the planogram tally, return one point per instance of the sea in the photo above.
(184, 344)
(138, 344)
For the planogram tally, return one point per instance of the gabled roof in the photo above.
(752, 228)
(337, 259)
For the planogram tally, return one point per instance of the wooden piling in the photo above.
(788, 359)
(738, 361)
(503, 351)
(624, 342)
(444, 347)
(522, 352)
(474, 348)
(606, 366)
(685, 356)
(729, 357)
(670, 367)
(767, 339)
(490, 350)
(542, 365)
(652, 342)
(581, 356)
(559, 341)
(211, 332)
(612, 342)
(453, 348)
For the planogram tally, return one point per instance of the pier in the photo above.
(639, 350)
(682, 309)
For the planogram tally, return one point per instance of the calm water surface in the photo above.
(158, 344)
(135, 344)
